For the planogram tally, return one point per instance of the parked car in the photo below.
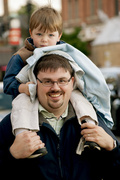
(2, 71)
(5, 103)
(112, 77)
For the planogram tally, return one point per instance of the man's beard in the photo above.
(55, 104)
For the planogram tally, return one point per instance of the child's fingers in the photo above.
(30, 82)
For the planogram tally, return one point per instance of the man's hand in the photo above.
(25, 144)
(97, 134)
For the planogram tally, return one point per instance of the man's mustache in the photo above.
(53, 92)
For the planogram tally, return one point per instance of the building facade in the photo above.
(93, 16)
(79, 12)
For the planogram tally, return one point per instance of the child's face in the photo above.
(43, 39)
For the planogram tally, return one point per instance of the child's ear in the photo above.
(30, 32)
(59, 37)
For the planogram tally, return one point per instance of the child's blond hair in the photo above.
(47, 19)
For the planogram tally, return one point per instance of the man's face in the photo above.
(55, 98)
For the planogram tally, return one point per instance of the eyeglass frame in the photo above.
(53, 82)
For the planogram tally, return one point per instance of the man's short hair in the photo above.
(52, 62)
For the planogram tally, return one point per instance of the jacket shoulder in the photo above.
(5, 123)
(26, 51)
(6, 134)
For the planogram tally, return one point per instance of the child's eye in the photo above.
(39, 34)
(51, 35)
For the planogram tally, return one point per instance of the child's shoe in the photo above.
(92, 145)
(39, 153)
(89, 144)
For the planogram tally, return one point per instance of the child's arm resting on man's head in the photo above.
(24, 88)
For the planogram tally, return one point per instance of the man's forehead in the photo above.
(60, 72)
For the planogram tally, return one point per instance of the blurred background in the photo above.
(92, 26)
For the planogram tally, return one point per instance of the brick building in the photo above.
(77, 12)
(88, 14)
(93, 16)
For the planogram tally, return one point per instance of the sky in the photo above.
(14, 5)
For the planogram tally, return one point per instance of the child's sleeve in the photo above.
(10, 83)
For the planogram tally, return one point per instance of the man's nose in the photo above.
(55, 86)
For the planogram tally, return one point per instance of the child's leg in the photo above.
(19, 130)
(86, 144)
(82, 107)
(24, 117)
(24, 114)
(85, 112)
(88, 120)
(89, 144)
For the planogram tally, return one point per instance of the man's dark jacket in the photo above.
(61, 162)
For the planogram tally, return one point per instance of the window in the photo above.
(92, 7)
(100, 3)
(70, 9)
(116, 7)
(76, 8)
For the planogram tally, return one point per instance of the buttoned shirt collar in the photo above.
(55, 122)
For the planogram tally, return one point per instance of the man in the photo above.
(60, 132)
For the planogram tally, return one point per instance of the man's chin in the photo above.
(55, 105)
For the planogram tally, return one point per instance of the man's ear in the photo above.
(73, 81)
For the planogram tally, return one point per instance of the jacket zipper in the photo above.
(59, 160)
(58, 149)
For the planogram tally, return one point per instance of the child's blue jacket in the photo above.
(16, 63)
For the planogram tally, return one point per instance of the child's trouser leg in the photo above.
(25, 117)
(20, 130)
(82, 107)
(89, 144)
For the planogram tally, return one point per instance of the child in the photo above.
(45, 30)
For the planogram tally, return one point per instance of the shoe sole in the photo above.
(39, 153)
(92, 147)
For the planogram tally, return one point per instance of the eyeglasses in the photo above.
(49, 83)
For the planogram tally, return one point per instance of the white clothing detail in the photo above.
(89, 81)
(90, 78)
(24, 113)
(20, 130)
(83, 108)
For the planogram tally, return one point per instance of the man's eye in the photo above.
(47, 82)
(62, 81)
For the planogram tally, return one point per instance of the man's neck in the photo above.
(57, 113)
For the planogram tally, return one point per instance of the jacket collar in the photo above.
(26, 51)
(71, 113)
(29, 44)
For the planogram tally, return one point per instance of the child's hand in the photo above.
(24, 88)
